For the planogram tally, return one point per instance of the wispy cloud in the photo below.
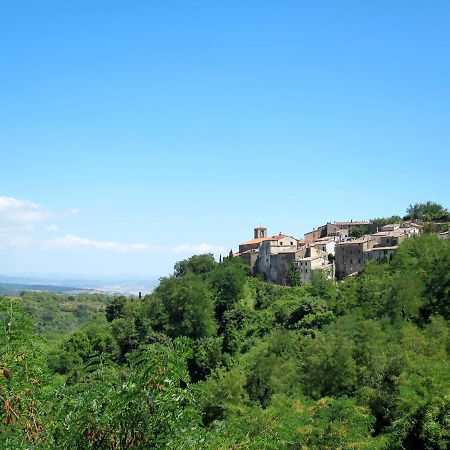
(19, 220)
(71, 241)
(22, 214)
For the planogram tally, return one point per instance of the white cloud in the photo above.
(53, 227)
(71, 241)
(22, 214)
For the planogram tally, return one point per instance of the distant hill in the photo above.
(13, 284)
(16, 288)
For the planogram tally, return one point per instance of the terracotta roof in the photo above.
(255, 241)
(269, 238)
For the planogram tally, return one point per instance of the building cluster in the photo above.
(330, 248)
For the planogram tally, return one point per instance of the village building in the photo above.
(336, 228)
(329, 247)
(309, 264)
(267, 254)
(326, 244)
(390, 227)
(380, 254)
(315, 234)
(349, 256)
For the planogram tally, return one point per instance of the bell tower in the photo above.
(260, 232)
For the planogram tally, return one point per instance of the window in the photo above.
(306, 270)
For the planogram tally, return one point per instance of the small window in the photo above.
(306, 270)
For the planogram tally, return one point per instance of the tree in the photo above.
(293, 276)
(23, 375)
(182, 306)
(227, 281)
(197, 264)
(147, 406)
(359, 231)
(428, 212)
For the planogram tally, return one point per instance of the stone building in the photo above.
(268, 250)
(326, 244)
(312, 236)
(349, 256)
(311, 263)
(337, 228)
(380, 254)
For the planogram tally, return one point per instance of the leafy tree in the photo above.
(227, 281)
(428, 212)
(146, 408)
(23, 375)
(359, 231)
(293, 276)
(381, 221)
(197, 264)
(322, 285)
(116, 308)
(206, 356)
(329, 368)
(182, 306)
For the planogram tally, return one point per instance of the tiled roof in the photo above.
(260, 240)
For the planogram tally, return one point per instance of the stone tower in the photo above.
(260, 232)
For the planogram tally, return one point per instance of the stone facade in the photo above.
(350, 256)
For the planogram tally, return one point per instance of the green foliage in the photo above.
(23, 377)
(55, 315)
(381, 221)
(145, 407)
(197, 264)
(359, 231)
(428, 212)
(182, 306)
(322, 285)
(293, 276)
(328, 367)
(227, 282)
(361, 364)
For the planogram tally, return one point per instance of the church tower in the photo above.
(260, 232)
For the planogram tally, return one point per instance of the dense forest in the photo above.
(217, 359)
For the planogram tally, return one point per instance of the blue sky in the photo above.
(133, 134)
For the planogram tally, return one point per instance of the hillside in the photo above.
(215, 358)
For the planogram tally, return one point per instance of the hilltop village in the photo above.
(339, 249)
